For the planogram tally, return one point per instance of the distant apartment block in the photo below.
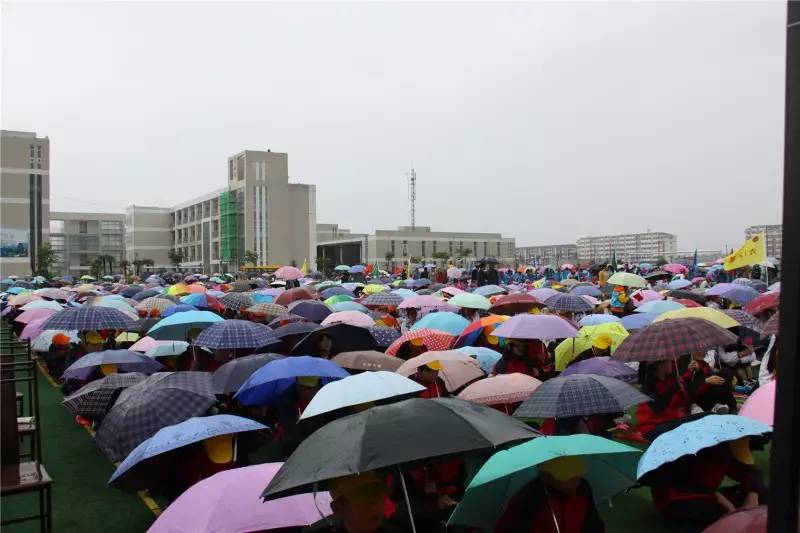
(635, 247)
(773, 234)
(553, 254)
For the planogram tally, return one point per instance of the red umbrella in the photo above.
(688, 303)
(511, 304)
(293, 295)
(771, 327)
(672, 338)
(433, 339)
(762, 302)
(674, 268)
(751, 520)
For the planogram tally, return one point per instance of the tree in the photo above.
(148, 262)
(124, 264)
(325, 265)
(176, 257)
(97, 267)
(661, 261)
(46, 257)
(108, 263)
(250, 257)
(441, 256)
(293, 263)
(137, 266)
(389, 256)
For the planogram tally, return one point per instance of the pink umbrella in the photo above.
(567, 266)
(500, 389)
(642, 296)
(230, 501)
(675, 268)
(26, 317)
(354, 318)
(698, 280)
(146, 343)
(591, 299)
(750, 520)
(458, 368)
(536, 327)
(33, 329)
(452, 291)
(761, 404)
(288, 272)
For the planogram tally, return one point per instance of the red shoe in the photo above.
(82, 421)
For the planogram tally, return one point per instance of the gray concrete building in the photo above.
(634, 247)
(24, 200)
(80, 238)
(552, 254)
(773, 234)
(149, 235)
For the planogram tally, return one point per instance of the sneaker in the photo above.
(720, 409)
(695, 409)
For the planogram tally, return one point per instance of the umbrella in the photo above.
(643, 296)
(610, 469)
(775, 287)
(626, 279)
(336, 290)
(229, 377)
(691, 437)
(442, 321)
(312, 310)
(203, 301)
(367, 360)
(489, 290)
(240, 286)
(659, 306)
(276, 377)
(293, 295)
(720, 288)
(339, 298)
(384, 336)
(568, 349)
(180, 308)
(580, 395)
(488, 260)
(679, 284)
(42, 304)
(568, 302)
(44, 339)
(268, 309)
(745, 319)
(364, 388)
(421, 282)
(33, 329)
(745, 520)
(595, 320)
(26, 317)
(500, 389)
(586, 290)
(288, 272)
(761, 404)
(688, 295)
(356, 269)
(424, 302)
(142, 465)
(125, 360)
(236, 300)
(511, 304)
(432, 339)
(348, 306)
(160, 400)
(543, 294)
(535, 327)
(145, 294)
(740, 294)
(354, 318)
(458, 368)
(602, 366)
(385, 298)
(167, 348)
(673, 338)
(470, 301)
(486, 357)
(773, 324)
(89, 318)
(373, 288)
(178, 326)
(154, 303)
(453, 273)
(768, 300)
(230, 334)
(379, 437)
(94, 399)
(295, 328)
(59, 294)
(674, 268)
(658, 275)
(707, 313)
(224, 502)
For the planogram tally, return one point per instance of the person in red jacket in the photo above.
(670, 400)
(428, 376)
(530, 358)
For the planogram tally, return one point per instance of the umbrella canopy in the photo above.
(761, 404)
(288, 272)
(768, 300)
(125, 360)
(489, 290)
(142, 465)
(659, 306)
(59, 294)
(154, 303)
(425, 302)
(674, 268)
(167, 348)
(432, 339)
(384, 336)
(691, 437)
(382, 299)
(89, 318)
(740, 294)
(345, 337)
(268, 309)
(94, 399)
(231, 334)
(367, 360)
(26, 317)
(295, 328)
(336, 290)
(626, 279)
(673, 338)
(470, 301)
(500, 389)
(294, 295)
(772, 325)
(568, 302)
(746, 520)
(543, 293)
(160, 400)
(637, 320)
(180, 308)
(642, 296)
(511, 304)
(364, 388)
(486, 357)
(458, 368)
(41, 304)
(745, 319)
(687, 295)
(354, 318)
(236, 300)
(595, 320)
(586, 290)
(339, 298)
(224, 502)
(714, 316)
(679, 284)
(229, 377)
(379, 437)
(276, 377)
(44, 339)
(442, 321)
(312, 310)
(203, 301)
(348, 306)
(610, 469)
(580, 395)
(535, 327)
(603, 366)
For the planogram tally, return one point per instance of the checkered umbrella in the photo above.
(94, 399)
(580, 395)
(672, 338)
(89, 318)
(745, 319)
(236, 300)
(163, 399)
(268, 310)
(382, 299)
(765, 301)
(433, 339)
(154, 302)
(572, 303)
(771, 327)
(240, 286)
(230, 334)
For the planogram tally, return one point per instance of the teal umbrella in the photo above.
(610, 468)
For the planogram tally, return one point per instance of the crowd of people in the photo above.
(269, 349)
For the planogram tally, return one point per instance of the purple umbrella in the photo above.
(586, 290)
(231, 501)
(543, 294)
(313, 310)
(719, 289)
(741, 294)
(638, 320)
(602, 366)
(126, 360)
(535, 327)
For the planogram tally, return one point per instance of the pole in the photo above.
(408, 501)
(784, 492)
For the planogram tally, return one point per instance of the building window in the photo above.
(423, 249)
(434, 246)
(498, 249)
(32, 147)
(83, 226)
(475, 248)
(38, 151)
(56, 226)
(392, 246)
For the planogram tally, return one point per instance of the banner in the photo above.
(753, 251)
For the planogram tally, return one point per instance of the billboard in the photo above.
(14, 242)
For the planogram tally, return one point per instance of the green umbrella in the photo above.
(610, 468)
(470, 301)
(628, 280)
(337, 299)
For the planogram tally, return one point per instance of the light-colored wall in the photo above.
(148, 234)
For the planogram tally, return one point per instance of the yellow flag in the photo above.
(304, 268)
(753, 251)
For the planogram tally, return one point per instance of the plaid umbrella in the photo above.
(580, 395)
(268, 310)
(382, 299)
(240, 286)
(771, 327)
(93, 400)
(154, 302)
(385, 336)
(672, 338)
(765, 301)
(163, 399)
(433, 339)
(745, 319)
(89, 318)
(230, 334)
(572, 303)
(236, 300)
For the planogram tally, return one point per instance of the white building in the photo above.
(552, 254)
(632, 247)
(774, 236)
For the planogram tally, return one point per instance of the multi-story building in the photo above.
(148, 235)
(25, 197)
(80, 238)
(553, 254)
(773, 234)
(419, 242)
(633, 247)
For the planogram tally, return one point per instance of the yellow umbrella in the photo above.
(127, 336)
(569, 349)
(373, 288)
(712, 315)
(178, 289)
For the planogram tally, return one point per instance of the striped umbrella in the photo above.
(771, 327)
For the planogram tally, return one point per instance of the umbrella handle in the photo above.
(552, 511)
(408, 502)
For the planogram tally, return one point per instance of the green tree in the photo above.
(148, 262)
(389, 256)
(108, 263)
(97, 267)
(325, 265)
(124, 264)
(293, 263)
(661, 261)
(46, 257)
(176, 257)
(441, 256)
(250, 257)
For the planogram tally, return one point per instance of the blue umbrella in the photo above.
(126, 361)
(486, 357)
(586, 290)
(602, 366)
(691, 437)
(313, 310)
(177, 326)
(421, 282)
(594, 320)
(444, 321)
(489, 290)
(180, 308)
(336, 290)
(342, 268)
(90, 318)
(138, 469)
(16, 290)
(263, 298)
(679, 284)
(366, 387)
(356, 269)
(197, 299)
(638, 320)
(659, 306)
(404, 293)
(741, 294)
(349, 306)
(384, 337)
(273, 379)
(232, 334)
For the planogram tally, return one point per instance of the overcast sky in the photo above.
(545, 121)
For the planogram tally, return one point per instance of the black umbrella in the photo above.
(295, 328)
(143, 295)
(346, 338)
(655, 276)
(129, 292)
(699, 298)
(393, 434)
(488, 260)
(229, 377)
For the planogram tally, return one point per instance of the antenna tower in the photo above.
(411, 176)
